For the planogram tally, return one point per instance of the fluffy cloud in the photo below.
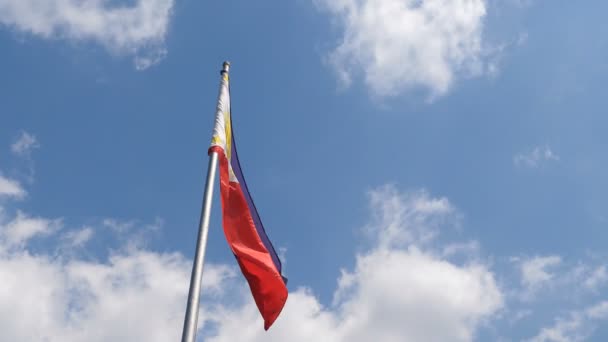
(139, 295)
(22, 228)
(10, 188)
(577, 326)
(551, 284)
(556, 280)
(52, 291)
(443, 301)
(24, 145)
(597, 278)
(78, 238)
(536, 271)
(564, 330)
(136, 28)
(403, 281)
(134, 295)
(406, 285)
(399, 219)
(535, 157)
(598, 311)
(402, 44)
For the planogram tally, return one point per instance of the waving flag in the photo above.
(243, 228)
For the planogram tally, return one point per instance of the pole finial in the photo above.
(226, 66)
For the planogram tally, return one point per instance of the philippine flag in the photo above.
(243, 228)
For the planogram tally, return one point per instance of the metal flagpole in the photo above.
(190, 322)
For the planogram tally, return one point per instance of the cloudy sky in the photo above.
(430, 170)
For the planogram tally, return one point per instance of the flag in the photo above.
(243, 228)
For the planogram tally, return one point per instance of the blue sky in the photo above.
(430, 170)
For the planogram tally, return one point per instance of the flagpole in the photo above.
(190, 321)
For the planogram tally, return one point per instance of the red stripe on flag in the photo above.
(267, 286)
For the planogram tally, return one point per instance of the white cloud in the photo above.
(535, 272)
(152, 58)
(414, 217)
(577, 326)
(404, 286)
(137, 28)
(134, 295)
(10, 188)
(543, 278)
(442, 302)
(138, 234)
(598, 311)
(564, 330)
(396, 291)
(468, 248)
(24, 145)
(78, 238)
(575, 285)
(405, 289)
(140, 295)
(596, 279)
(535, 157)
(23, 228)
(50, 292)
(398, 45)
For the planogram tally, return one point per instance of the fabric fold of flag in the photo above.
(243, 228)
